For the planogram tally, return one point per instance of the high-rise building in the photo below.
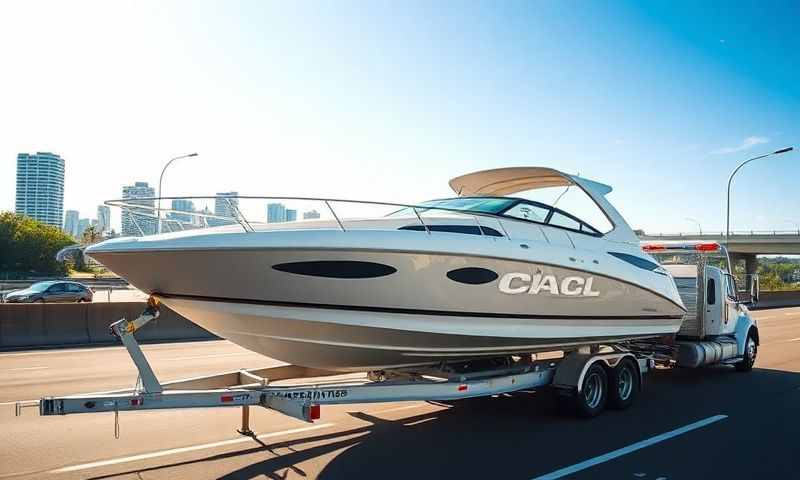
(182, 205)
(276, 213)
(83, 224)
(291, 215)
(71, 223)
(40, 187)
(224, 207)
(311, 214)
(103, 219)
(135, 221)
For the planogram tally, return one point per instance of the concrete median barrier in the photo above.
(778, 299)
(52, 325)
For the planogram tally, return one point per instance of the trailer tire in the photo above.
(623, 384)
(591, 400)
(750, 353)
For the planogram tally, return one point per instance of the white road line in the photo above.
(629, 449)
(174, 451)
(106, 348)
(106, 392)
(23, 368)
(212, 355)
(795, 339)
(397, 409)
(18, 401)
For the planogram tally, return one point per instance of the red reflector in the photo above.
(462, 388)
(136, 401)
(653, 248)
(707, 247)
(226, 398)
(314, 412)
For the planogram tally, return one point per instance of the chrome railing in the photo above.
(153, 213)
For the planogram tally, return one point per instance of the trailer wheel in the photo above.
(594, 392)
(750, 353)
(623, 385)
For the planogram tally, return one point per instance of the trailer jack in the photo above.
(124, 330)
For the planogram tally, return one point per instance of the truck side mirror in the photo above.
(755, 289)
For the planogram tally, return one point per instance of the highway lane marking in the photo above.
(107, 348)
(212, 355)
(174, 451)
(563, 472)
(397, 409)
(23, 368)
(18, 401)
(107, 392)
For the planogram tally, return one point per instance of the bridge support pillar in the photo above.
(750, 269)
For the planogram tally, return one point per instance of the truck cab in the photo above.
(718, 327)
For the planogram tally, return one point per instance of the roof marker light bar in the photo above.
(689, 247)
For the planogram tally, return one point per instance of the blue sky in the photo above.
(387, 101)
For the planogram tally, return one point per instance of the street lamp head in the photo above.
(783, 150)
(195, 154)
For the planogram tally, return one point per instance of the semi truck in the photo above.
(718, 327)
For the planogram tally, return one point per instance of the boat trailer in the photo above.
(257, 387)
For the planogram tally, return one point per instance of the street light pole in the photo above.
(161, 179)
(730, 179)
(694, 220)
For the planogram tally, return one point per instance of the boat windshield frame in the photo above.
(510, 203)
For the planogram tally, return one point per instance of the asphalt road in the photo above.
(711, 423)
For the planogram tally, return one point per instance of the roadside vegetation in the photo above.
(28, 248)
(779, 273)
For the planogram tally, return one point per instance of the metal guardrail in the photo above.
(722, 234)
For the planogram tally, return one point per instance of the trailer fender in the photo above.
(571, 371)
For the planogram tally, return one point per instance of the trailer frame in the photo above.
(268, 387)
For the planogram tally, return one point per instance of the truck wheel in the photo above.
(594, 392)
(750, 352)
(623, 385)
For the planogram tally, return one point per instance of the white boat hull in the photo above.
(353, 340)
(377, 299)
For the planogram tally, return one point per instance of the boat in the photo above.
(481, 275)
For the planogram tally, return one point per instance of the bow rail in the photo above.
(145, 208)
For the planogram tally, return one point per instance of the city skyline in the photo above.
(630, 95)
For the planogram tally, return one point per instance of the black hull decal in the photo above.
(349, 269)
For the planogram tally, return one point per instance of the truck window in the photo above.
(711, 292)
(731, 287)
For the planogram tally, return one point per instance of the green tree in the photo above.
(90, 236)
(29, 247)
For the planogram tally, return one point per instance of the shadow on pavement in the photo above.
(512, 436)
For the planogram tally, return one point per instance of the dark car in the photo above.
(51, 292)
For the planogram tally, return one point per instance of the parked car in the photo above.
(51, 292)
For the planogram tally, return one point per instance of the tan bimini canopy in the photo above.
(507, 181)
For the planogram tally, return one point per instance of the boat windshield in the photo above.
(517, 208)
(490, 205)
